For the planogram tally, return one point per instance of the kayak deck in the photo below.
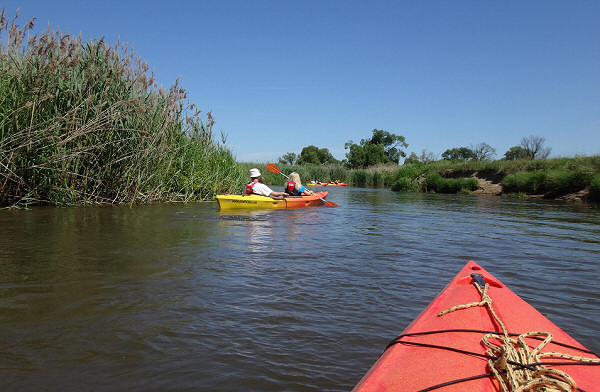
(252, 202)
(411, 363)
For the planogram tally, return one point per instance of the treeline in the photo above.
(381, 148)
(84, 122)
(387, 148)
(524, 170)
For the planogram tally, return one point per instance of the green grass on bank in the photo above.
(84, 122)
(436, 183)
(550, 177)
(595, 188)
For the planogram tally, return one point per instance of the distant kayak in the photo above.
(446, 352)
(326, 184)
(256, 202)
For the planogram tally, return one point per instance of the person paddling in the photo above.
(255, 186)
(294, 186)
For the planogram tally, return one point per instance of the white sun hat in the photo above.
(254, 173)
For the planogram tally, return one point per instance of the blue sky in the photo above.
(282, 75)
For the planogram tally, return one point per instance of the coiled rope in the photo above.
(516, 366)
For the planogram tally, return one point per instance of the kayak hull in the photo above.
(256, 202)
(404, 367)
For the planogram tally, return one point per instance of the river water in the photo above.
(184, 297)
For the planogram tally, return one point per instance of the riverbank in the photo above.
(557, 178)
(490, 184)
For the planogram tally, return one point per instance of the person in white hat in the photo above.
(258, 188)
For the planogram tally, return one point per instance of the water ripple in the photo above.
(182, 297)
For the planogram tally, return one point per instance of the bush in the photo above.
(411, 171)
(405, 178)
(405, 184)
(551, 181)
(436, 183)
(581, 177)
(595, 188)
(556, 181)
(524, 181)
(358, 178)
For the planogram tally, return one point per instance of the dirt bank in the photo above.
(490, 184)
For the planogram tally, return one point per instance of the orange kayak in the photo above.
(446, 352)
(327, 184)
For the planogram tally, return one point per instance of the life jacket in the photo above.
(249, 187)
(290, 188)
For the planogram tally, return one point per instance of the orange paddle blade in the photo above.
(330, 203)
(273, 168)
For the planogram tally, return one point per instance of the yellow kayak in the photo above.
(256, 202)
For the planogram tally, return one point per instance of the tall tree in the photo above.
(425, 157)
(534, 145)
(314, 155)
(460, 153)
(382, 147)
(516, 152)
(288, 158)
(531, 147)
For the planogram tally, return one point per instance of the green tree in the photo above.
(425, 157)
(516, 152)
(288, 158)
(531, 147)
(412, 159)
(460, 153)
(382, 147)
(313, 155)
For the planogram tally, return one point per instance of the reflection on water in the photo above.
(181, 297)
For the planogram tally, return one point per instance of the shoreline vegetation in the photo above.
(86, 123)
(555, 178)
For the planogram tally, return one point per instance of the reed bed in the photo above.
(85, 122)
(376, 176)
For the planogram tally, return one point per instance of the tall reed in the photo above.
(376, 176)
(85, 122)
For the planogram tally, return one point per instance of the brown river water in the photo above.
(182, 297)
